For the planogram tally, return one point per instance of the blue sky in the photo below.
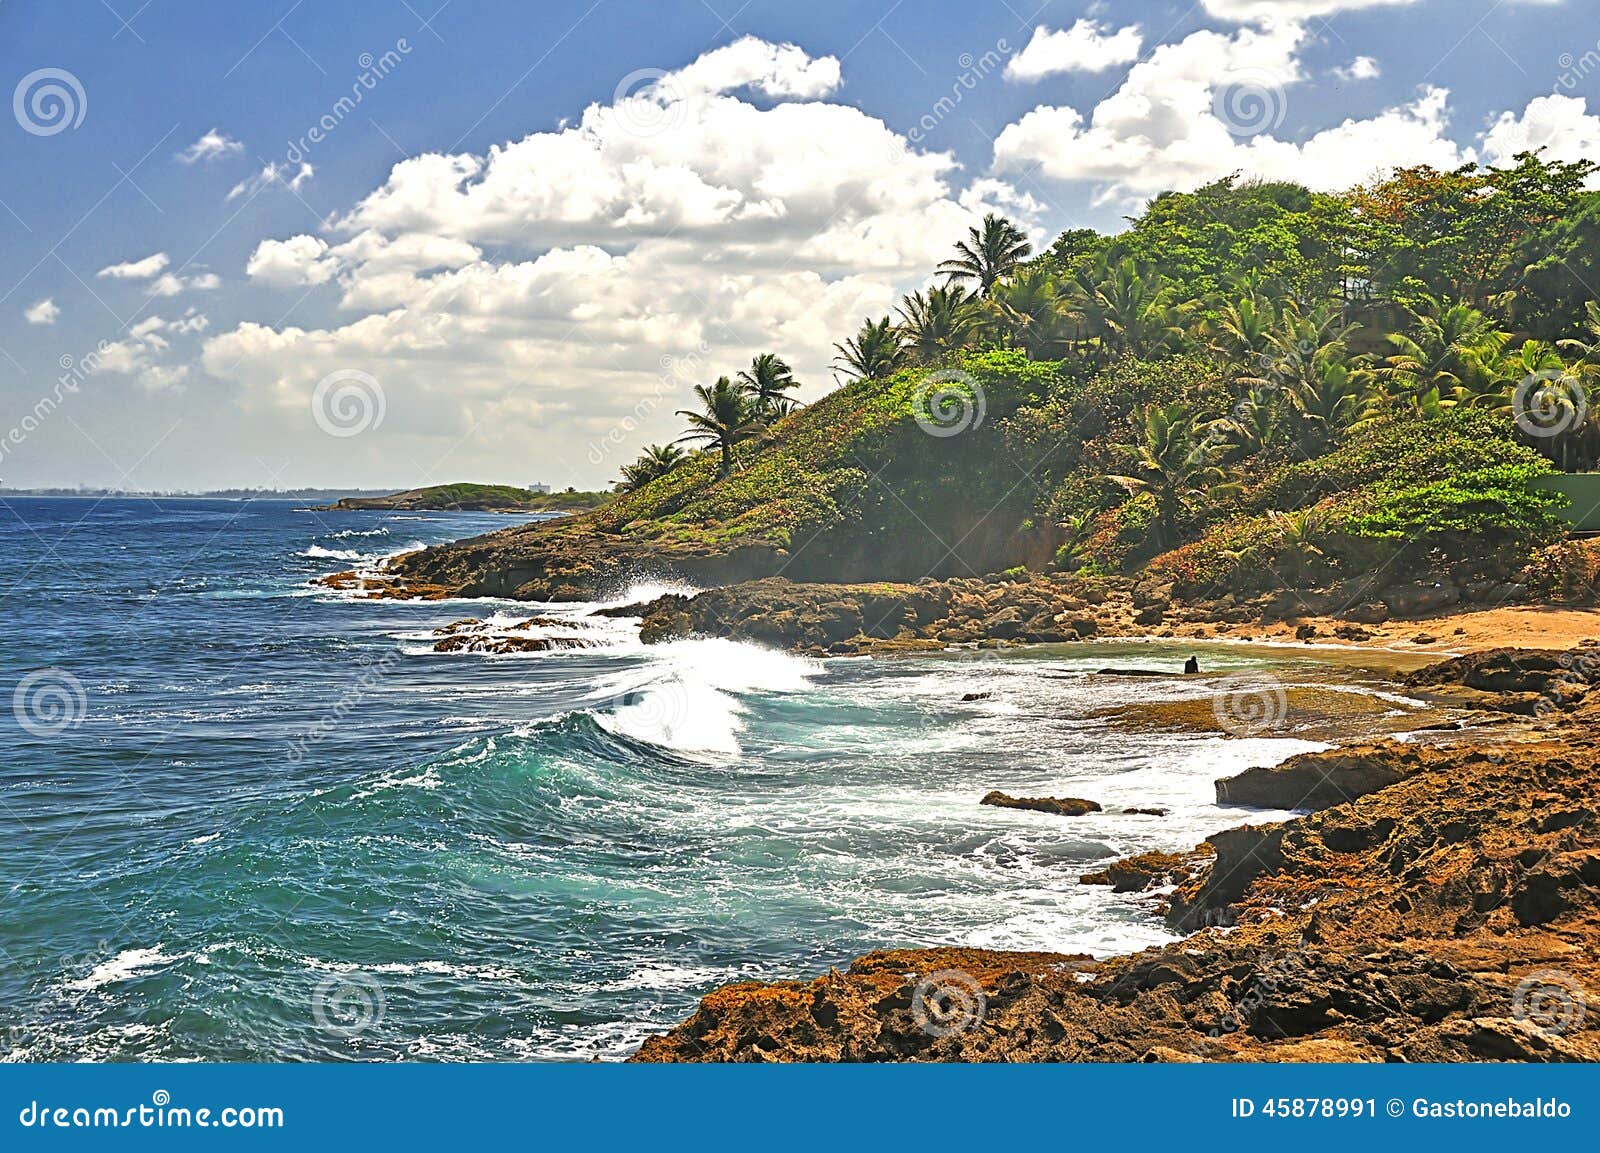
(584, 220)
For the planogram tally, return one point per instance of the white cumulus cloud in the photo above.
(1215, 103)
(555, 297)
(1561, 125)
(1361, 68)
(43, 312)
(1085, 47)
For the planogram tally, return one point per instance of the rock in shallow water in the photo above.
(1061, 806)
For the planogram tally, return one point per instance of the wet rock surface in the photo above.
(1451, 914)
(1059, 806)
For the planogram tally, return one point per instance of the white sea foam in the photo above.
(124, 966)
(317, 552)
(641, 591)
(687, 696)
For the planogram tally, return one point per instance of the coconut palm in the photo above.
(1136, 310)
(1586, 349)
(942, 321)
(1243, 329)
(1299, 536)
(1452, 348)
(1030, 312)
(1250, 427)
(988, 255)
(1329, 400)
(768, 380)
(656, 461)
(1174, 465)
(725, 419)
(874, 352)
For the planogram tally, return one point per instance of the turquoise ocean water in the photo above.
(245, 819)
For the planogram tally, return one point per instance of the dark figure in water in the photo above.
(1192, 665)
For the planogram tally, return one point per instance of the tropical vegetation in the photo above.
(1252, 383)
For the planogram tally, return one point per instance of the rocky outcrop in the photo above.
(1453, 915)
(1320, 780)
(885, 616)
(475, 636)
(1527, 682)
(1060, 806)
(1149, 870)
(569, 560)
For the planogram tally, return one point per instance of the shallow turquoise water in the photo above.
(278, 826)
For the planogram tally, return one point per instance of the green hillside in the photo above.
(1253, 386)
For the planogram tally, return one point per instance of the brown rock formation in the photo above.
(1452, 915)
(1060, 806)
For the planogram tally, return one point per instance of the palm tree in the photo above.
(656, 461)
(1299, 539)
(1452, 348)
(768, 380)
(726, 419)
(1136, 309)
(1250, 427)
(940, 322)
(1243, 329)
(990, 255)
(1174, 465)
(1587, 351)
(873, 353)
(1329, 401)
(1030, 312)
(1533, 358)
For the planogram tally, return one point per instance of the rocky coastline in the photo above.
(824, 618)
(1439, 902)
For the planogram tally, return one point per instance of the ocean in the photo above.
(248, 819)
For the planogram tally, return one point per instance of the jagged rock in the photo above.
(1061, 806)
(1317, 780)
(1388, 927)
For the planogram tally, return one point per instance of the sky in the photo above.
(387, 243)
